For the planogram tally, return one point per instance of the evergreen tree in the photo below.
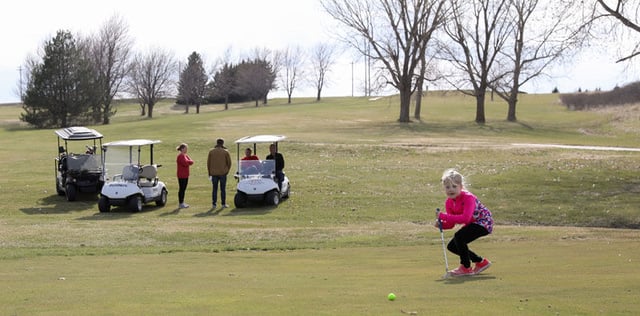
(193, 80)
(255, 79)
(61, 89)
(224, 82)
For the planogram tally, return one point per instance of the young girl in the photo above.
(462, 207)
(183, 161)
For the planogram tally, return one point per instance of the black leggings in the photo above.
(460, 241)
(182, 182)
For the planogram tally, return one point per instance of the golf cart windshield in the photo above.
(257, 168)
(87, 162)
(121, 155)
(118, 159)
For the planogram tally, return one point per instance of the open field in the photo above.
(357, 226)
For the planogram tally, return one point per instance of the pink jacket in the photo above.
(183, 161)
(465, 209)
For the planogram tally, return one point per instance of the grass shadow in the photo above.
(118, 212)
(255, 210)
(465, 279)
(176, 211)
(211, 212)
(106, 216)
(56, 204)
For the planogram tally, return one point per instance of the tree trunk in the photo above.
(513, 100)
(405, 104)
(105, 115)
(198, 108)
(480, 119)
(416, 113)
(318, 95)
(150, 109)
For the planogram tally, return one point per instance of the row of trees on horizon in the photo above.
(473, 46)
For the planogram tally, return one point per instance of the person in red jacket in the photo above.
(462, 207)
(183, 162)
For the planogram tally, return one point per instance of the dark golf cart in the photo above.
(78, 164)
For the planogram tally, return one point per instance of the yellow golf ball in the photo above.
(391, 297)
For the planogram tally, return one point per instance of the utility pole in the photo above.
(20, 82)
(352, 79)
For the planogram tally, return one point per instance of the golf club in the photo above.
(444, 248)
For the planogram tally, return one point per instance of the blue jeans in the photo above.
(279, 178)
(223, 185)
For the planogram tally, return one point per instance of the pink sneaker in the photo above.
(481, 266)
(461, 270)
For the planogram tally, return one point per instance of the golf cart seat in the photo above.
(148, 175)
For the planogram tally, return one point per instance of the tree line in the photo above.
(76, 79)
(473, 46)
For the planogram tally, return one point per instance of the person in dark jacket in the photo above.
(275, 155)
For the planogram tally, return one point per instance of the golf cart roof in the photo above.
(261, 139)
(78, 133)
(132, 142)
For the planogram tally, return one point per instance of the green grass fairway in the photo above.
(536, 271)
(358, 225)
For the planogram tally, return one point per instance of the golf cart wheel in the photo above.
(272, 198)
(240, 200)
(103, 204)
(163, 198)
(135, 203)
(71, 192)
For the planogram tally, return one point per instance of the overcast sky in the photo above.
(211, 27)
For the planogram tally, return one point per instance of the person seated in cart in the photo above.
(250, 163)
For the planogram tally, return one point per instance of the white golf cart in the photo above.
(77, 165)
(129, 182)
(257, 178)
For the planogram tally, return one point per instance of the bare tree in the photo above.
(544, 32)
(627, 13)
(193, 80)
(110, 51)
(427, 73)
(152, 77)
(322, 58)
(479, 30)
(292, 70)
(396, 34)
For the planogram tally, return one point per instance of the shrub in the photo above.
(628, 94)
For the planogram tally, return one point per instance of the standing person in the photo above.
(183, 161)
(218, 165)
(462, 207)
(275, 155)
